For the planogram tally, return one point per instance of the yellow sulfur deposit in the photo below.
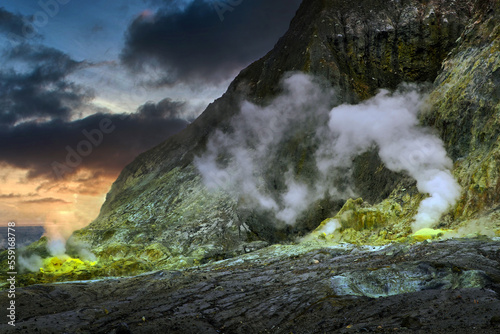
(64, 264)
(428, 233)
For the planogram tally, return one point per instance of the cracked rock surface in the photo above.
(449, 286)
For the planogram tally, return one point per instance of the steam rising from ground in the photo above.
(58, 240)
(237, 161)
(390, 122)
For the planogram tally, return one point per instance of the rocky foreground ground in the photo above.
(449, 286)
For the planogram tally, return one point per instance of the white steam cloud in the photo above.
(331, 226)
(57, 242)
(30, 263)
(237, 160)
(390, 123)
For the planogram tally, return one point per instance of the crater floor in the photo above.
(449, 286)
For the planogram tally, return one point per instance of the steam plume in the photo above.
(390, 123)
(236, 161)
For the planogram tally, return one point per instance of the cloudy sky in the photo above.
(85, 86)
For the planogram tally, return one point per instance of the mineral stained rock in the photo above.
(440, 287)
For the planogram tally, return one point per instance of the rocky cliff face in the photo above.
(159, 213)
(465, 111)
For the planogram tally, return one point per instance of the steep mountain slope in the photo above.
(466, 112)
(159, 213)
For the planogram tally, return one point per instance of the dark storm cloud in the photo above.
(172, 4)
(166, 108)
(197, 44)
(33, 84)
(96, 28)
(16, 27)
(108, 141)
(47, 200)
(38, 103)
(12, 195)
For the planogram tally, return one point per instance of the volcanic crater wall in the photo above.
(159, 210)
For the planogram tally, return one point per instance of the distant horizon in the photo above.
(25, 235)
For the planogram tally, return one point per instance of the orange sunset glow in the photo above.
(66, 204)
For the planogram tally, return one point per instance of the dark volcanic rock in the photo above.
(285, 289)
